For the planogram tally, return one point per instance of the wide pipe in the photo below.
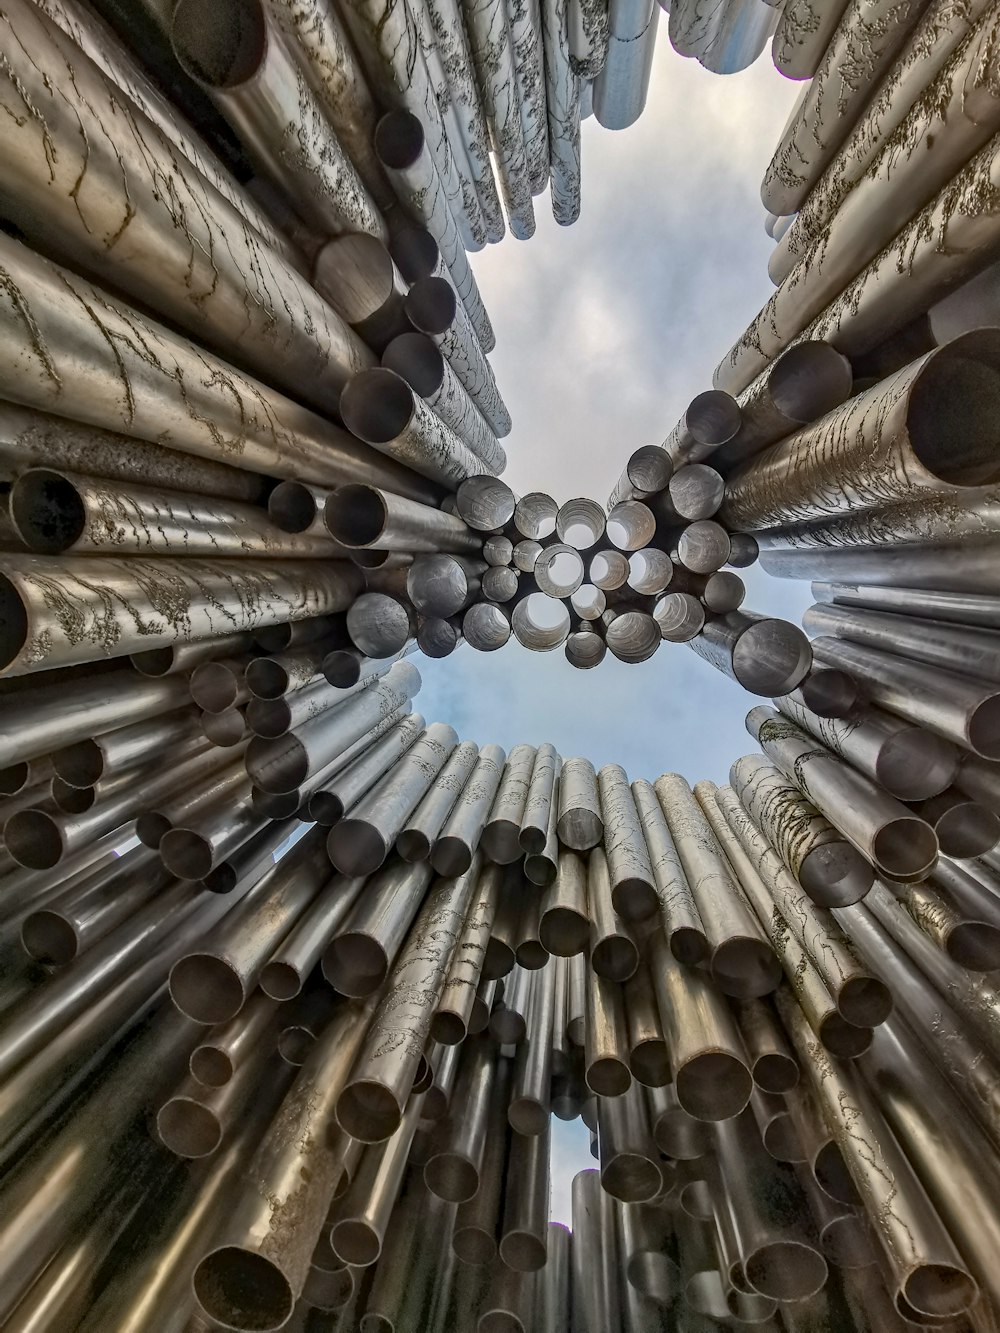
(362, 516)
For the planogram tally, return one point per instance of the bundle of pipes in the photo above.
(877, 191)
(390, 956)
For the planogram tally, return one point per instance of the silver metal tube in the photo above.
(960, 648)
(361, 516)
(360, 956)
(606, 1038)
(359, 843)
(633, 636)
(910, 763)
(580, 524)
(87, 762)
(955, 707)
(486, 627)
(613, 952)
(678, 911)
(221, 1051)
(764, 655)
(584, 649)
(363, 1213)
(877, 824)
(562, 100)
(711, 419)
(418, 836)
(290, 761)
(711, 1078)
(649, 1059)
(921, 1257)
(509, 1019)
(541, 868)
(501, 834)
(564, 925)
(775, 1069)
(703, 547)
(251, 593)
(212, 983)
(923, 603)
(680, 617)
(832, 870)
(528, 1108)
(355, 273)
(419, 361)
(927, 427)
(370, 1105)
(675, 1132)
(524, 1228)
(580, 824)
(633, 890)
(293, 961)
(861, 998)
(454, 849)
(740, 960)
(543, 791)
(452, 1020)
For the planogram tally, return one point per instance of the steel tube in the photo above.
(363, 1213)
(831, 870)
(680, 617)
(247, 593)
(420, 362)
(647, 471)
(370, 1106)
(361, 516)
(861, 998)
(703, 547)
(486, 627)
(775, 1069)
(454, 849)
(764, 655)
(361, 841)
(453, 1018)
(678, 911)
(927, 427)
(711, 1078)
(419, 835)
(741, 962)
(260, 1260)
(355, 273)
(879, 826)
(294, 960)
(359, 958)
(564, 924)
(649, 1059)
(338, 790)
(211, 984)
(606, 1038)
(501, 834)
(613, 953)
(219, 1054)
(711, 419)
(925, 1266)
(580, 824)
(528, 1108)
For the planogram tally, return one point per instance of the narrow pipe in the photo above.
(362, 516)
(418, 836)
(452, 1020)
(359, 958)
(613, 952)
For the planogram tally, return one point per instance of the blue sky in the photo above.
(605, 331)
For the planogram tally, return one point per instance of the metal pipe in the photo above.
(680, 617)
(740, 961)
(649, 1059)
(541, 868)
(921, 1258)
(676, 1133)
(418, 836)
(580, 524)
(363, 1213)
(260, 1260)
(419, 361)
(711, 419)
(433, 308)
(361, 841)
(564, 925)
(212, 983)
(294, 960)
(357, 960)
(454, 849)
(764, 655)
(290, 761)
(87, 762)
(486, 627)
(955, 707)
(967, 933)
(501, 834)
(613, 952)
(584, 649)
(862, 999)
(910, 763)
(633, 889)
(959, 648)
(606, 1038)
(878, 825)
(927, 427)
(245, 592)
(647, 471)
(806, 382)
(509, 1019)
(355, 273)
(678, 911)
(633, 636)
(775, 1069)
(703, 547)
(225, 1048)
(361, 516)
(831, 870)
(130, 152)
(580, 824)
(437, 638)
(379, 624)
(964, 827)
(528, 1108)
(453, 1018)
(370, 1106)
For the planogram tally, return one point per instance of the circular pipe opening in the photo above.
(540, 623)
(580, 523)
(49, 938)
(399, 140)
(431, 306)
(703, 547)
(33, 839)
(437, 637)
(535, 515)
(485, 503)
(72, 800)
(953, 416)
(414, 358)
(723, 592)
(378, 625)
(633, 636)
(771, 657)
(649, 468)
(291, 506)
(377, 406)
(214, 686)
(905, 848)
(559, 571)
(809, 380)
(355, 964)
(243, 1290)
(585, 650)
(631, 525)
(47, 511)
(696, 491)
(485, 627)
(608, 570)
(206, 988)
(187, 1128)
(221, 44)
(211, 1065)
(679, 617)
(451, 1177)
(650, 571)
(588, 602)
(713, 1086)
(608, 1077)
(356, 848)
(368, 1111)
(835, 874)
(713, 417)
(355, 515)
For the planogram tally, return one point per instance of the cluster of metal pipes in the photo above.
(291, 980)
